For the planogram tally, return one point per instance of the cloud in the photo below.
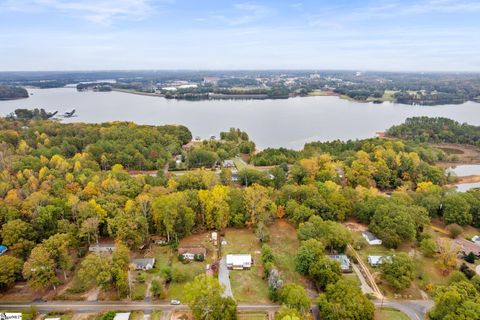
(249, 12)
(103, 12)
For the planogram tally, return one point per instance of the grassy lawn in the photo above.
(138, 291)
(284, 243)
(240, 164)
(248, 286)
(352, 277)
(390, 314)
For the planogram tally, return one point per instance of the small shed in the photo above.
(159, 240)
(371, 238)
(144, 264)
(228, 164)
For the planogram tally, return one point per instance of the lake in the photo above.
(465, 170)
(286, 123)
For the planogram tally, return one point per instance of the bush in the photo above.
(457, 276)
(469, 273)
(157, 289)
(470, 258)
(141, 277)
(428, 247)
(108, 315)
(454, 230)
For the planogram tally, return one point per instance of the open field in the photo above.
(284, 243)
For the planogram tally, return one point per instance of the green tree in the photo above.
(96, 270)
(343, 300)
(10, 270)
(39, 269)
(398, 271)
(428, 247)
(333, 235)
(459, 300)
(204, 297)
(58, 246)
(310, 251)
(17, 236)
(456, 209)
(324, 271)
(295, 297)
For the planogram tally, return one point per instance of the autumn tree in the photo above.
(10, 270)
(39, 269)
(398, 271)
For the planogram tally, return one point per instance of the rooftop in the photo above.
(370, 236)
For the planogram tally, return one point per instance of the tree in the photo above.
(310, 251)
(295, 297)
(333, 235)
(89, 229)
(456, 209)
(398, 271)
(393, 223)
(215, 207)
(257, 201)
(459, 300)
(10, 270)
(454, 230)
(39, 269)
(267, 254)
(129, 227)
(288, 314)
(204, 297)
(343, 300)
(262, 232)
(428, 247)
(95, 270)
(58, 247)
(17, 236)
(157, 288)
(447, 256)
(325, 271)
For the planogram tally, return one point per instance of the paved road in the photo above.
(415, 309)
(224, 278)
(366, 289)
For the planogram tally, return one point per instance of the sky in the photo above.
(386, 35)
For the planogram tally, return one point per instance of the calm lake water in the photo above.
(466, 170)
(463, 187)
(270, 123)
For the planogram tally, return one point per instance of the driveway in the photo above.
(224, 278)
(366, 289)
(477, 269)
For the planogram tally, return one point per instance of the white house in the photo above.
(239, 261)
(343, 260)
(144, 264)
(375, 261)
(122, 316)
(102, 248)
(371, 238)
(159, 240)
(189, 253)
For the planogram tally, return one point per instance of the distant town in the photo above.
(376, 87)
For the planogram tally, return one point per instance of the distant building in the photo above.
(102, 248)
(189, 253)
(371, 238)
(144, 264)
(3, 249)
(228, 164)
(239, 261)
(159, 240)
(211, 80)
(343, 260)
(375, 261)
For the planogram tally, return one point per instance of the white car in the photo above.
(175, 302)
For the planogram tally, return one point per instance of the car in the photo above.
(175, 302)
